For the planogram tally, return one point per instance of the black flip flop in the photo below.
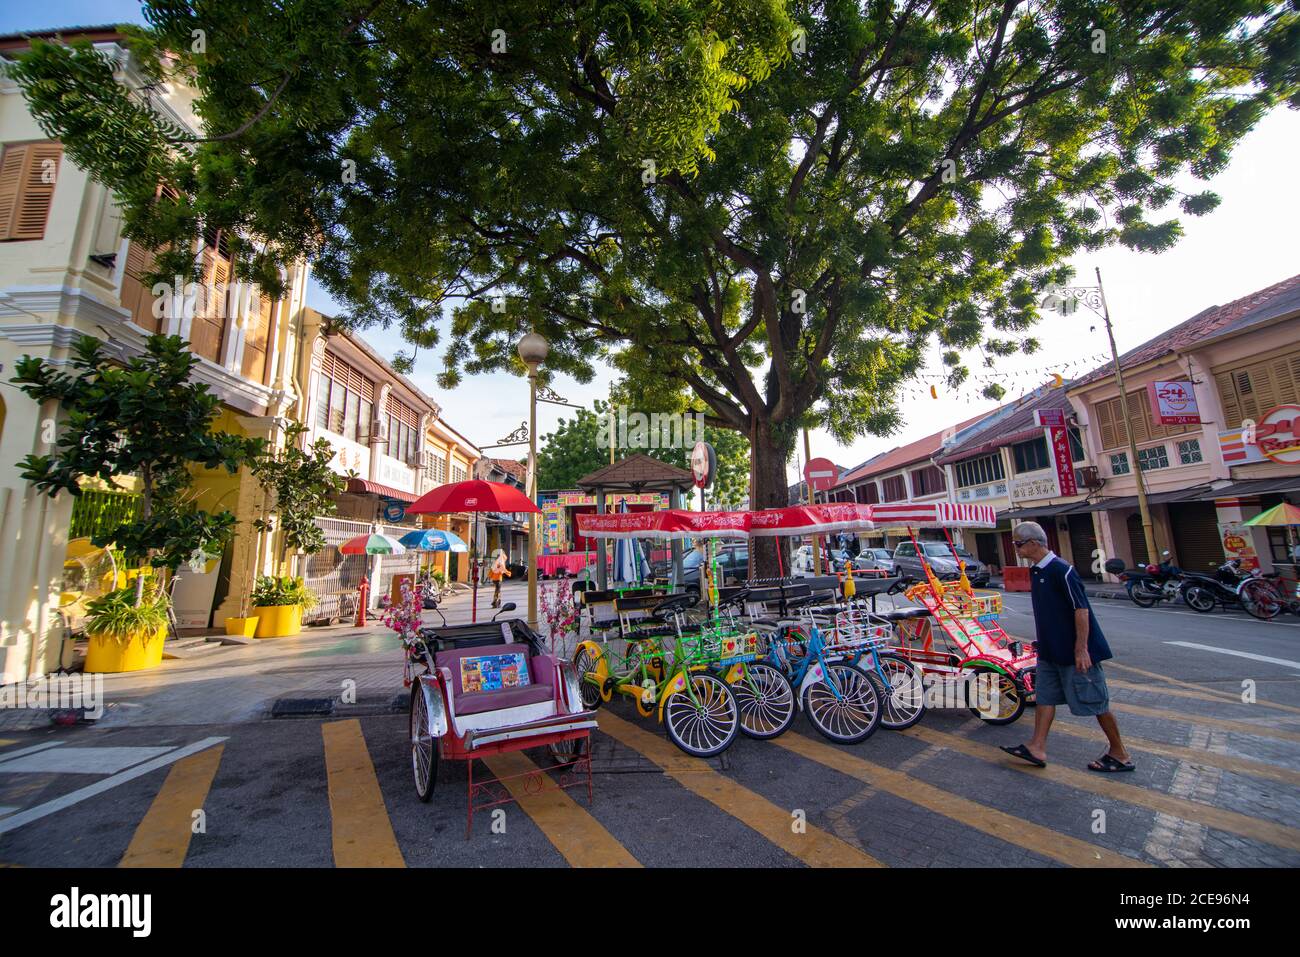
(1109, 765)
(1022, 752)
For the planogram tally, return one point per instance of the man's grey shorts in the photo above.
(1084, 691)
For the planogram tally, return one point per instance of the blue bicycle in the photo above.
(840, 699)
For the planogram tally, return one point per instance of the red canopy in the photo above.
(795, 520)
(474, 495)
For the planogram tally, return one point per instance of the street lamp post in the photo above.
(1064, 300)
(533, 350)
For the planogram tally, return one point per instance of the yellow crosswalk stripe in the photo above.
(362, 834)
(1227, 762)
(578, 836)
(162, 838)
(1106, 785)
(1014, 830)
(815, 847)
(1223, 724)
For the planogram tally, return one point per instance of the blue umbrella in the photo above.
(629, 562)
(433, 540)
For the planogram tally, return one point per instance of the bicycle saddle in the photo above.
(903, 614)
(673, 605)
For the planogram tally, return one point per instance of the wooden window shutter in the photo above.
(1284, 380)
(136, 296)
(28, 175)
(1106, 423)
(1231, 404)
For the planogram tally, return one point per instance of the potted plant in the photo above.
(278, 603)
(144, 419)
(123, 634)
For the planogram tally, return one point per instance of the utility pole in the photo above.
(1094, 297)
(817, 539)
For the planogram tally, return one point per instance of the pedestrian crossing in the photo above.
(878, 804)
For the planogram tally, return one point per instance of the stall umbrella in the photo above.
(433, 540)
(473, 496)
(1285, 515)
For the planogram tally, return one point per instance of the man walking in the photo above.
(1070, 648)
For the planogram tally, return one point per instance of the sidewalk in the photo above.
(346, 669)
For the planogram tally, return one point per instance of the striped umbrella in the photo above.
(433, 540)
(372, 544)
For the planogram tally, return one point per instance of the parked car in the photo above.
(734, 560)
(801, 563)
(881, 558)
(907, 563)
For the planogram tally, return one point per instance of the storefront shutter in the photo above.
(1196, 536)
(1137, 540)
(1082, 542)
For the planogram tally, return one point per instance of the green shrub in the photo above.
(273, 592)
(117, 616)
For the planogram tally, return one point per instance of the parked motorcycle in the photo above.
(1203, 592)
(1151, 584)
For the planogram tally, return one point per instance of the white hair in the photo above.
(1030, 532)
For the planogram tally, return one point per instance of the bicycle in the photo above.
(1267, 596)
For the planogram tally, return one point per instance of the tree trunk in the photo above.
(771, 451)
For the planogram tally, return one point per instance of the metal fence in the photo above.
(335, 577)
(95, 512)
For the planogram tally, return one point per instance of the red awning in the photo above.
(362, 487)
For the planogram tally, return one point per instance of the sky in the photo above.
(1249, 242)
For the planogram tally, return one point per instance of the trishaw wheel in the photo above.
(765, 700)
(852, 714)
(566, 752)
(902, 693)
(584, 663)
(1010, 699)
(424, 746)
(703, 726)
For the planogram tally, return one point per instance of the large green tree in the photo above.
(628, 179)
(576, 448)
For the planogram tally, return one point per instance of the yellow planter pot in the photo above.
(141, 651)
(278, 621)
(242, 627)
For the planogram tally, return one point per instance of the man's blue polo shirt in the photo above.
(1057, 591)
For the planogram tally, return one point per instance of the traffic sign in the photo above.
(820, 474)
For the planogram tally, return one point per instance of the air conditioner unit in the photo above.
(1089, 477)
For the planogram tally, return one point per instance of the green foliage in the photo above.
(276, 591)
(116, 614)
(301, 486)
(144, 418)
(668, 186)
(574, 449)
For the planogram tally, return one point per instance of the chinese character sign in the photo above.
(1060, 440)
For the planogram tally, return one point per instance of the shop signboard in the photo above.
(1277, 434)
(1173, 403)
(1237, 543)
(1060, 442)
(1027, 488)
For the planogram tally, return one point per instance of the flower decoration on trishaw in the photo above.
(716, 660)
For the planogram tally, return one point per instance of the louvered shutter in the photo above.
(256, 341)
(12, 165)
(1232, 414)
(1106, 425)
(136, 296)
(40, 178)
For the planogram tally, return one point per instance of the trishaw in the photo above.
(954, 636)
(490, 688)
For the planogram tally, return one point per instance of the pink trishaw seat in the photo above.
(540, 688)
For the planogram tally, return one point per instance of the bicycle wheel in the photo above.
(584, 663)
(844, 706)
(902, 692)
(706, 726)
(765, 699)
(1008, 703)
(1260, 599)
(424, 747)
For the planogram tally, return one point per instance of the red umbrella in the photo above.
(474, 495)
